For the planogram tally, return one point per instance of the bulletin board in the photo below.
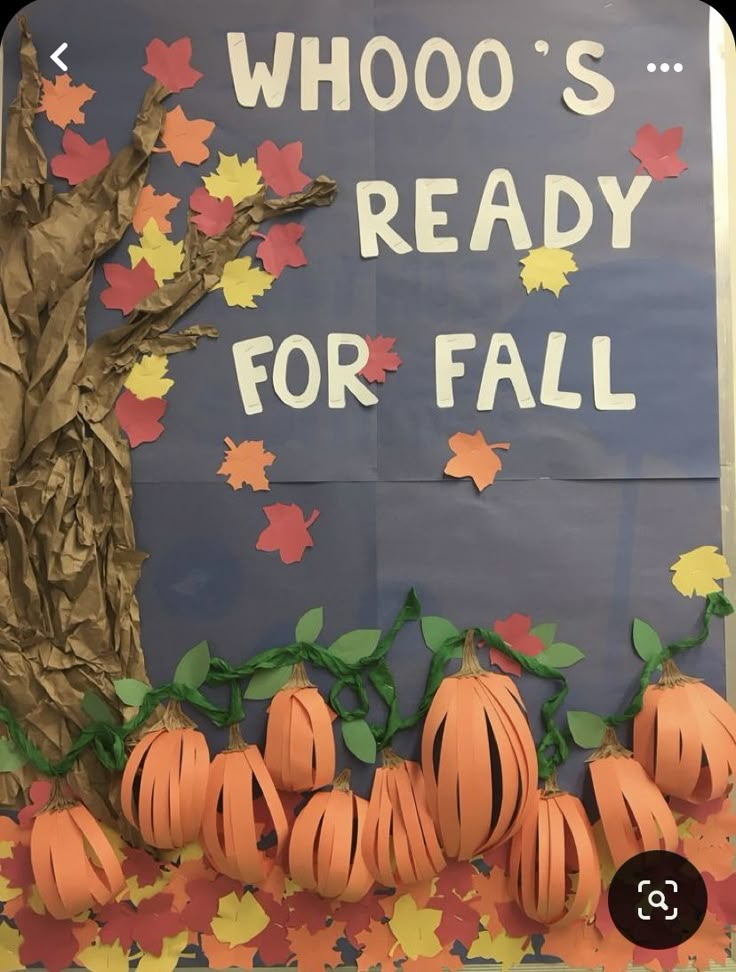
(473, 354)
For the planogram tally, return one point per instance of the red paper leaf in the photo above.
(309, 910)
(215, 215)
(127, 287)
(139, 419)
(280, 248)
(204, 901)
(456, 878)
(515, 632)
(381, 358)
(698, 811)
(16, 869)
(155, 921)
(721, 897)
(118, 920)
(287, 532)
(139, 864)
(280, 167)
(667, 958)
(169, 63)
(459, 922)
(273, 945)
(38, 793)
(657, 151)
(49, 941)
(358, 915)
(80, 159)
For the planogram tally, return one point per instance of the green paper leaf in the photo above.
(194, 667)
(560, 655)
(545, 632)
(98, 710)
(309, 625)
(265, 684)
(11, 758)
(360, 740)
(587, 729)
(646, 640)
(354, 645)
(436, 631)
(131, 691)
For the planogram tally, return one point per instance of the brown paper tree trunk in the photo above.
(69, 565)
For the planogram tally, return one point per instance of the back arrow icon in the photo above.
(55, 56)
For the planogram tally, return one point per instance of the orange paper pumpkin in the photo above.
(478, 758)
(634, 815)
(165, 781)
(400, 845)
(325, 852)
(554, 843)
(300, 744)
(230, 831)
(74, 865)
(685, 737)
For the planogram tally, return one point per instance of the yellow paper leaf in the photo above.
(545, 268)
(6, 848)
(501, 948)
(238, 919)
(146, 378)
(9, 945)
(234, 178)
(103, 958)
(695, 572)
(414, 928)
(169, 957)
(7, 893)
(134, 893)
(163, 257)
(240, 282)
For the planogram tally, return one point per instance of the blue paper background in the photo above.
(592, 507)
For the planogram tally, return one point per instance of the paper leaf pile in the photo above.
(80, 160)
(62, 100)
(475, 458)
(381, 358)
(235, 179)
(657, 151)
(546, 268)
(155, 206)
(287, 531)
(169, 64)
(280, 167)
(245, 464)
(241, 282)
(184, 137)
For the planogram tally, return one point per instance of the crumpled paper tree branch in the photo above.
(69, 566)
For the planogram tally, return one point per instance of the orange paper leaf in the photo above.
(185, 137)
(474, 457)
(62, 100)
(245, 464)
(152, 206)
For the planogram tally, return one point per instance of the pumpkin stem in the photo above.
(57, 800)
(470, 665)
(550, 786)
(236, 743)
(390, 758)
(610, 746)
(672, 676)
(173, 718)
(298, 678)
(342, 780)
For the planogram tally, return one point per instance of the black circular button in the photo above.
(657, 900)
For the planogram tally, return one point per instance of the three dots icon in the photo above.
(664, 67)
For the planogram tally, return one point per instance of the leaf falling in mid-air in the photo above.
(546, 268)
(474, 457)
(245, 464)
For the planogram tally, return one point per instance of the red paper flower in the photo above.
(515, 632)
